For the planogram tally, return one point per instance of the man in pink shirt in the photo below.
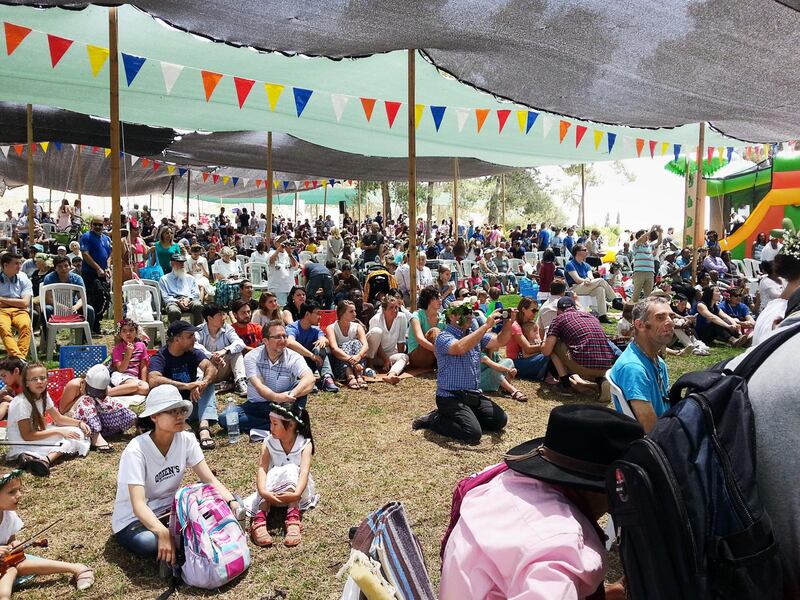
(531, 532)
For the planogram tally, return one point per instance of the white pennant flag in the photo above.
(627, 142)
(171, 73)
(74, 147)
(245, 181)
(134, 159)
(339, 101)
(547, 123)
(297, 185)
(461, 116)
(4, 150)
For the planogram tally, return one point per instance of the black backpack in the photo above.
(685, 497)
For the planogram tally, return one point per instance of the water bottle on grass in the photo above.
(232, 418)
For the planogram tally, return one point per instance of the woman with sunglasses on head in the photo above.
(151, 470)
(525, 346)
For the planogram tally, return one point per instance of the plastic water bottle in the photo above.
(232, 418)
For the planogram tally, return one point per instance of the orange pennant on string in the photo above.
(639, 146)
(306, 183)
(210, 81)
(563, 128)
(14, 36)
(368, 104)
(145, 163)
(18, 148)
(205, 176)
(258, 183)
(480, 117)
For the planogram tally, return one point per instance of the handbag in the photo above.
(151, 271)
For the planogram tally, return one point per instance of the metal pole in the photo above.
(268, 232)
(116, 208)
(30, 174)
(455, 199)
(700, 202)
(188, 189)
(412, 177)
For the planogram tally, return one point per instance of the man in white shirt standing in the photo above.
(282, 265)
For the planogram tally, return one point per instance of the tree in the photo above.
(585, 177)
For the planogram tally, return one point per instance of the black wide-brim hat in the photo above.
(580, 444)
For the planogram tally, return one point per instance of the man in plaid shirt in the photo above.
(578, 339)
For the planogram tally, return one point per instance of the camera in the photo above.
(505, 313)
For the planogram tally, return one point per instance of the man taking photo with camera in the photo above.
(462, 411)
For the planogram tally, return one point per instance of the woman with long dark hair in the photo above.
(713, 324)
(291, 312)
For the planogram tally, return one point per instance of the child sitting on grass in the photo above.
(283, 477)
(11, 374)
(129, 360)
(10, 525)
(495, 375)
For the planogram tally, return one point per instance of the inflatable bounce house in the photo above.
(772, 191)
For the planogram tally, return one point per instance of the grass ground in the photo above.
(366, 456)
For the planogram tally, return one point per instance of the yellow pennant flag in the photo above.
(721, 152)
(522, 119)
(664, 148)
(598, 137)
(275, 184)
(274, 91)
(324, 183)
(106, 151)
(225, 180)
(170, 169)
(44, 146)
(419, 111)
(97, 58)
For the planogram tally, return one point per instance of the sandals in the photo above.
(293, 529)
(353, 384)
(83, 580)
(519, 396)
(40, 467)
(361, 383)
(103, 448)
(206, 443)
(258, 530)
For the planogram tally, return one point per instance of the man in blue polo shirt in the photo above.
(640, 372)
(96, 248)
(579, 276)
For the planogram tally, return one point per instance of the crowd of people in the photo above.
(278, 312)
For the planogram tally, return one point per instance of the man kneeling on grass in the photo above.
(462, 411)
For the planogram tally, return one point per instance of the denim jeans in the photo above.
(138, 539)
(205, 409)
(253, 415)
(533, 368)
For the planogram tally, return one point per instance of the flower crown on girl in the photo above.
(13, 474)
(285, 413)
(141, 336)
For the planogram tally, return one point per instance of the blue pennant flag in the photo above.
(612, 139)
(235, 180)
(730, 153)
(676, 149)
(181, 171)
(285, 185)
(301, 97)
(57, 145)
(132, 65)
(532, 116)
(437, 112)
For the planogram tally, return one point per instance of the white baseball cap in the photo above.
(97, 380)
(164, 397)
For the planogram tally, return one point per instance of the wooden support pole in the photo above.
(31, 225)
(188, 191)
(270, 187)
(116, 207)
(700, 202)
(455, 199)
(412, 177)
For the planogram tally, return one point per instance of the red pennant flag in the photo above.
(391, 111)
(652, 144)
(58, 47)
(33, 149)
(502, 117)
(258, 183)
(480, 117)
(639, 146)
(215, 177)
(580, 131)
(306, 184)
(95, 149)
(18, 148)
(156, 165)
(205, 176)
(710, 154)
(210, 81)
(14, 36)
(243, 87)
(563, 128)
(145, 163)
(368, 104)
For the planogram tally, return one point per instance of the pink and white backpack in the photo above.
(213, 542)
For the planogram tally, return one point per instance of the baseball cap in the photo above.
(178, 257)
(565, 303)
(164, 397)
(97, 380)
(178, 327)
(38, 247)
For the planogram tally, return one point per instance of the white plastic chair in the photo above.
(6, 229)
(515, 265)
(33, 351)
(466, 268)
(621, 405)
(144, 293)
(62, 301)
(304, 257)
(321, 257)
(48, 229)
(587, 301)
(257, 273)
(543, 297)
(752, 268)
(531, 257)
(242, 260)
(561, 261)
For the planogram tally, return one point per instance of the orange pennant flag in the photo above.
(18, 148)
(258, 183)
(563, 128)
(205, 176)
(14, 36)
(210, 81)
(368, 104)
(580, 131)
(480, 117)
(639, 146)
(145, 163)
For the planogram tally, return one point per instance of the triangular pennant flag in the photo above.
(710, 153)
(301, 97)
(235, 180)
(639, 146)
(598, 137)
(324, 183)
(502, 117)
(4, 150)
(225, 179)
(580, 131)
(297, 184)
(339, 101)
(275, 184)
(14, 36)
(437, 112)
(664, 148)
(676, 150)
(652, 144)
(18, 148)
(258, 183)
(215, 178)
(171, 72)
(243, 87)
(97, 58)
(33, 149)
(368, 104)
(547, 124)
(210, 81)
(522, 118)
(134, 159)
(170, 169)
(532, 116)
(274, 91)
(245, 181)
(391, 111)
(480, 117)
(461, 118)
(133, 65)
(145, 163)
(106, 151)
(730, 153)
(721, 152)
(419, 110)
(611, 138)
(156, 165)
(58, 145)
(563, 127)
(285, 185)
(306, 184)
(182, 172)
(58, 47)
(95, 149)
(44, 146)
(205, 176)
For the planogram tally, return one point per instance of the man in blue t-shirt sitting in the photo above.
(640, 372)
(309, 341)
(579, 276)
(734, 307)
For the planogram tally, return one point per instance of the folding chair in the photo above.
(622, 405)
(63, 317)
(242, 260)
(257, 272)
(145, 293)
(82, 358)
(57, 380)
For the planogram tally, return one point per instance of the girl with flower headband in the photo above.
(283, 477)
(129, 361)
(10, 525)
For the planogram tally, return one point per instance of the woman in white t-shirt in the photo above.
(227, 267)
(151, 470)
(260, 255)
(197, 267)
